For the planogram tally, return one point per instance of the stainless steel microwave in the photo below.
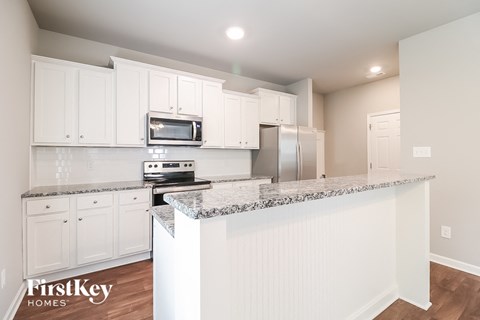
(174, 130)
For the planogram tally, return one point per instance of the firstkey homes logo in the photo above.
(56, 294)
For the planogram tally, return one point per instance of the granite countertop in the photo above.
(233, 178)
(166, 216)
(85, 188)
(216, 202)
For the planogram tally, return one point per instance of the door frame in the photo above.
(369, 121)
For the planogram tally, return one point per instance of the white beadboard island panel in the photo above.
(341, 257)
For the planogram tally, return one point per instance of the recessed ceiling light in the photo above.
(235, 33)
(375, 69)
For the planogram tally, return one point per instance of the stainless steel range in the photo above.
(171, 176)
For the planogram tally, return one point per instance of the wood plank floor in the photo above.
(455, 295)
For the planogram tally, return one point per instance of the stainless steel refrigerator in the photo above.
(287, 153)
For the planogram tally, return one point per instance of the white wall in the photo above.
(345, 120)
(60, 46)
(303, 90)
(440, 94)
(318, 111)
(63, 165)
(18, 31)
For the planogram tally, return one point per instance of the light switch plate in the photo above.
(422, 152)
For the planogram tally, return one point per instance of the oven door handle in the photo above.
(160, 190)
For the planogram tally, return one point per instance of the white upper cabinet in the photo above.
(72, 103)
(276, 108)
(213, 115)
(54, 103)
(241, 121)
(251, 128)
(95, 107)
(233, 120)
(162, 91)
(131, 104)
(189, 96)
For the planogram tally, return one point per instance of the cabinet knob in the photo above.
(65, 221)
(240, 142)
(47, 206)
(141, 139)
(95, 201)
(68, 136)
(281, 120)
(276, 119)
(147, 210)
(171, 108)
(81, 136)
(180, 109)
(134, 198)
(80, 219)
(246, 142)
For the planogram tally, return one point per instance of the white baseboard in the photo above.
(455, 264)
(421, 306)
(376, 306)
(12, 310)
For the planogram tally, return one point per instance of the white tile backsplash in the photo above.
(73, 165)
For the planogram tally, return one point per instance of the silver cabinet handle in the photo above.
(65, 221)
(147, 210)
(80, 219)
(47, 206)
(95, 201)
(134, 198)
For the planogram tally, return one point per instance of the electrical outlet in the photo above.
(3, 278)
(422, 152)
(446, 232)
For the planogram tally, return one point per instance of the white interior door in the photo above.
(384, 141)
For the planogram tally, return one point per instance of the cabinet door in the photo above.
(54, 96)
(269, 108)
(94, 235)
(48, 244)
(131, 105)
(95, 109)
(162, 92)
(286, 110)
(134, 227)
(189, 96)
(233, 122)
(250, 125)
(213, 115)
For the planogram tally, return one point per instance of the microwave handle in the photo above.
(194, 130)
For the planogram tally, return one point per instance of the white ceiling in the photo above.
(334, 42)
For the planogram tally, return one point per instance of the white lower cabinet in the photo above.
(64, 233)
(48, 245)
(94, 235)
(134, 228)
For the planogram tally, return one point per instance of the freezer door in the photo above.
(287, 153)
(307, 147)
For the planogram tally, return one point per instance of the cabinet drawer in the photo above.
(132, 197)
(95, 201)
(48, 206)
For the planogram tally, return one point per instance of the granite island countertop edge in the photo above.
(202, 208)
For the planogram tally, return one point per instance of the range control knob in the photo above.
(155, 166)
(149, 165)
(190, 165)
(185, 165)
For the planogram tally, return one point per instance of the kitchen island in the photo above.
(335, 248)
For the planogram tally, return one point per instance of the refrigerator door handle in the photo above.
(300, 164)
